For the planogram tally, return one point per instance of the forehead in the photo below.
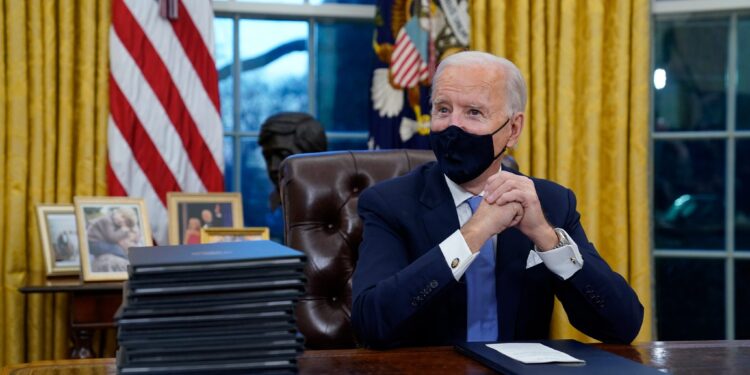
(474, 82)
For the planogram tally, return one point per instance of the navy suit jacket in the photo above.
(405, 294)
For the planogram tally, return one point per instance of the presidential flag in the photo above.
(411, 37)
(165, 132)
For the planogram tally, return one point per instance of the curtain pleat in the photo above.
(586, 65)
(16, 169)
(4, 320)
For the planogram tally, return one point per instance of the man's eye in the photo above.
(442, 110)
(474, 112)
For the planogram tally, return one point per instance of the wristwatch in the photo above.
(562, 238)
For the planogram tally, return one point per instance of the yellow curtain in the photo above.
(586, 64)
(53, 123)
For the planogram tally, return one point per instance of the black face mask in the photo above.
(464, 156)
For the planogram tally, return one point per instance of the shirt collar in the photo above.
(459, 194)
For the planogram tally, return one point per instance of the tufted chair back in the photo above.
(319, 193)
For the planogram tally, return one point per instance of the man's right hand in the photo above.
(489, 220)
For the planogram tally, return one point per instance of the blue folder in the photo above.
(597, 361)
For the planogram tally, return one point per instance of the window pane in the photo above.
(690, 67)
(689, 194)
(338, 144)
(742, 299)
(344, 67)
(274, 70)
(743, 73)
(689, 299)
(256, 188)
(229, 164)
(224, 54)
(742, 196)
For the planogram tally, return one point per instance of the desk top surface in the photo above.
(678, 357)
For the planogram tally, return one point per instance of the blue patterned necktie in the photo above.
(481, 300)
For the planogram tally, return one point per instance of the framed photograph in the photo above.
(188, 213)
(107, 228)
(57, 231)
(211, 235)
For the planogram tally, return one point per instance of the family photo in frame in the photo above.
(59, 237)
(213, 235)
(189, 213)
(107, 228)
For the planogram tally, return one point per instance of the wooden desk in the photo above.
(92, 306)
(679, 358)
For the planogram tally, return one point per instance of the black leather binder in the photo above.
(242, 366)
(211, 257)
(168, 301)
(211, 308)
(597, 361)
(206, 331)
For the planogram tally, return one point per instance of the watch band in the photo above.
(562, 238)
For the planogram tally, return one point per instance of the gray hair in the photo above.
(515, 86)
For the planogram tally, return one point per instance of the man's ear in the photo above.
(516, 126)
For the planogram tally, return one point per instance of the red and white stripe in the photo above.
(407, 66)
(165, 132)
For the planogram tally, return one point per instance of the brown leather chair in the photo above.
(319, 193)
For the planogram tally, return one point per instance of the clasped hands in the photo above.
(509, 201)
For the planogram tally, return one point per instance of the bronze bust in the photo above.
(286, 134)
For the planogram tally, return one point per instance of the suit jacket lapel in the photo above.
(440, 221)
(440, 218)
(512, 252)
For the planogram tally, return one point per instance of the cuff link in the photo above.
(573, 260)
(454, 263)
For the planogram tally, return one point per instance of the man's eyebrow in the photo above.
(477, 106)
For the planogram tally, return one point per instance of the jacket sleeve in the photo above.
(389, 289)
(598, 301)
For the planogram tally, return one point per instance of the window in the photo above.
(294, 55)
(701, 171)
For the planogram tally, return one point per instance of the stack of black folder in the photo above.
(213, 308)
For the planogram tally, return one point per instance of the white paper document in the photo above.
(533, 353)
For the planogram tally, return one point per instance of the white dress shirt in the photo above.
(459, 257)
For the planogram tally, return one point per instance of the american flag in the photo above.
(408, 65)
(165, 131)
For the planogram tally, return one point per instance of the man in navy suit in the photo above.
(462, 250)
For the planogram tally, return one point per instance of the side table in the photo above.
(92, 307)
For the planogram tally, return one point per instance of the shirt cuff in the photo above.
(563, 261)
(457, 254)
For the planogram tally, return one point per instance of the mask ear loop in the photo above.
(498, 129)
(503, 125)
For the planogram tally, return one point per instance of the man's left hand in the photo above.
(505, 187)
